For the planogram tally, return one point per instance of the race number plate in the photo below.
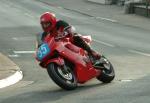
(43, 51)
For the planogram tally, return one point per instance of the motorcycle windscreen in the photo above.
(43, 51)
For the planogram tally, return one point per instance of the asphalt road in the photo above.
(127, 47)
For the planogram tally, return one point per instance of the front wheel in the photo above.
(108, 73)
(62, 76)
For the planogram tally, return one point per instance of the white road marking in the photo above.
(24, 52)
(104, 43)
(13, 55)
(107, 19)
(11, 80)
(138, 52)
(23, 38)
(126, 80)
(14, 38)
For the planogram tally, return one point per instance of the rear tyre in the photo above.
(108, 73)
(64, 78)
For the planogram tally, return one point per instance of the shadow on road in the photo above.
(39, 96)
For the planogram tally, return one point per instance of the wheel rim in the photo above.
(67, 75)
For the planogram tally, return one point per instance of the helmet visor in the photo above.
(46, 24)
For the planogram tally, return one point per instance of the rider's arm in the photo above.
(39, 39)
(70, 30)
(65, 27)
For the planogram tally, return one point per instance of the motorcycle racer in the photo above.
(52, 26)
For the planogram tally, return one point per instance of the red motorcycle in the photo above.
(68, 65)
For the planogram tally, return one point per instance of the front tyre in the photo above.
(62, 76)
(108, 73)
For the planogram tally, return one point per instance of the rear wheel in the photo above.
(62, 76)
(108, 73)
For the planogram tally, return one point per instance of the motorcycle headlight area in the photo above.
(43, 51)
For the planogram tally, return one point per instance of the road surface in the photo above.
(127, 47)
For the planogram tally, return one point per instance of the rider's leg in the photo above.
(78, 41)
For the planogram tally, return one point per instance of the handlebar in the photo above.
(60, 37)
